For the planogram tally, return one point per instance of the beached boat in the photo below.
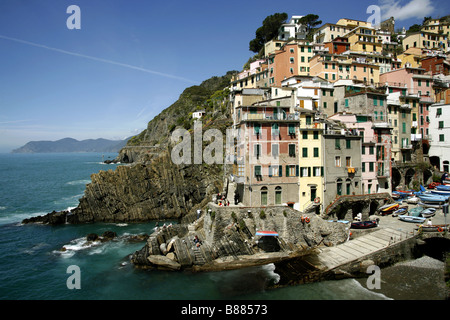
(413, 200)
(434, 228)
(443, 187)
(388, 208)
(364, 224)
(415, 212)
(441, 192)
(401, 210)
(412, 219)
(430, 197)
(433, 185)
(430, 205)
(429, 212)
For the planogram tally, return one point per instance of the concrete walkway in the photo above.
(391, 230)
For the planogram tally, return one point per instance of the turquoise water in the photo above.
(32, 265)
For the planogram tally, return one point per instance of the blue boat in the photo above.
(412, 219)
(443, 187)
(430, 197)
(441, 192)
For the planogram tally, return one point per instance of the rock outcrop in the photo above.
(227, 239)
(142, 192)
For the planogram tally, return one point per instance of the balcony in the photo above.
(270, 117)
(416, 137)
(406, 146)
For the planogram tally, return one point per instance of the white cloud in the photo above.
(403, 11)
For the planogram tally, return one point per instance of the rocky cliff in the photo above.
(227, 239)
(151, 186)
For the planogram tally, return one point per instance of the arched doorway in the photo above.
(396, 178)
(339, 187)
(264, 196)
(278, 195)
(409, 175)
(435, 162)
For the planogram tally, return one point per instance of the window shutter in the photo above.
(280, 170)
(287, 171)
(297, 169)
(309, 171)
(270, 171)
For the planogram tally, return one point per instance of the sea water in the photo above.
(33, 266)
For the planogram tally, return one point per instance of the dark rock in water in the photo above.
(53, 218)
(109, 235)
(92, 237)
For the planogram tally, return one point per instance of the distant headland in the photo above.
(72, 145)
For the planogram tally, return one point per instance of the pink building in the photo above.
(416, 84)
(375, 169)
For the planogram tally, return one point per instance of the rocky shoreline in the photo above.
(227, 239)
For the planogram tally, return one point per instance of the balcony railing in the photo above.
(269, 116)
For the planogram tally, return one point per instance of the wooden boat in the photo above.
(430, 205)
(443, 187)
(433, 228)
(412, 219)
(401, 210)
(413, 200)
(415, 212)
(429, 197)
(364, 224)
(433, 185)
(441, 192)
(389, 208)
(429, 212)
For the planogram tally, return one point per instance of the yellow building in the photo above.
(411, 58)
(364, 39)
(311, 160)
(426, 40)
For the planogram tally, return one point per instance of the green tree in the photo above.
(268, 31)
(310, 21)
(414, 28)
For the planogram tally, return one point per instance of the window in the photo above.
(438, 112)
(315, 135)
(264, 196)
(308, 120)
(291, 60)
(257, 149)
(371, 149)
(258, 171)
(337, 161)
(375, 100)
(348, 144)
(257, 129)
(305, 135)
(275, 129)
(337, 144)
(304, 152)
(441, 137)
(371, 166)
(403, 127)
(346, 102)
(275, 150)
(292, 150)
(304, 172)
(274, 171)
(316, 152)
(292, 170)
(278, 195)
(363, 150)
(441, 124)
(363, 166)
(291, 129)
(318, 172)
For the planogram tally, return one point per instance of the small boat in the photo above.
(441, 192)
(429, 212)
(413, 200)
(389, 208)
(430, 205)
(415, 212)
(443, 187)
(434, 228)
(364, 224)
(412, 219)
(340, 221)
(429, 197)
(400, 211)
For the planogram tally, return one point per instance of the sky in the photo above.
(131, 59)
